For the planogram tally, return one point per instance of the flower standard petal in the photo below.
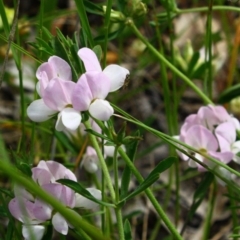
(89, 59)
(99, 84)
(60, 224)
(60, 68)
(58, 94)
(28, 231)
(226, 135)
(101, 110)
(82, 94)
(200, 137)
(71, 118)
(117, 76)
(38, 111)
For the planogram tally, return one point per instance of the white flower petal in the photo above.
(83, 202)
(101, 110)
(60, 224)
(37, 111)
(235, 148)
(71, 118)
(117, 76)
(33, 232)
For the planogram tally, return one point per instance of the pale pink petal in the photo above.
(82, 95)
(224, 157)
(30, 231)
(200, 137)
(41, 176)
(41, 210)
(82, 202)
(190, 121)
(71, 118)
(38, 111)
(45, 72)
(69, 175)
(56, 169)
(64, 194)
(60, 68)
(211, 116)
(22, 209)
(89, 59)
(60, 224)
(117, 76)
(101, 110)
(226, 135)
(58, 94)
(99, 84)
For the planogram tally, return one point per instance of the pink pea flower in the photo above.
(32, 212)
(55, 87)
(205, 142)
(93, 86)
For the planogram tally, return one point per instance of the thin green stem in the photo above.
(170, 140)
(235, 221)
(118, 209)
(102, 162)
(205, 9)
(150, 195)
(71, 216)
(207, 224)
(167, 63)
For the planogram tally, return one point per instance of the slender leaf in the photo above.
(162, 166)
(126, 177)
(127, 230)
(142, 187)
(82, 191)
(229, 94)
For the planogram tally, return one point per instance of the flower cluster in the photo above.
(33, 212)
(211, 131)
(60, 95)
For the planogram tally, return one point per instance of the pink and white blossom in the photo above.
(33, 212)
(93, 87)
(55, 87)
(211, 131)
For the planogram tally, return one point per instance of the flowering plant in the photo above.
(211, 131)
(33, 212)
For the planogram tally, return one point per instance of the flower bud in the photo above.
(115, 16)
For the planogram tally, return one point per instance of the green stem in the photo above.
(235, 221)
(71, 216)
(118, 209)
(150, 195)
(167, 63)
(102, 162)
(207, 224)
(106, 27)
(205, 9)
